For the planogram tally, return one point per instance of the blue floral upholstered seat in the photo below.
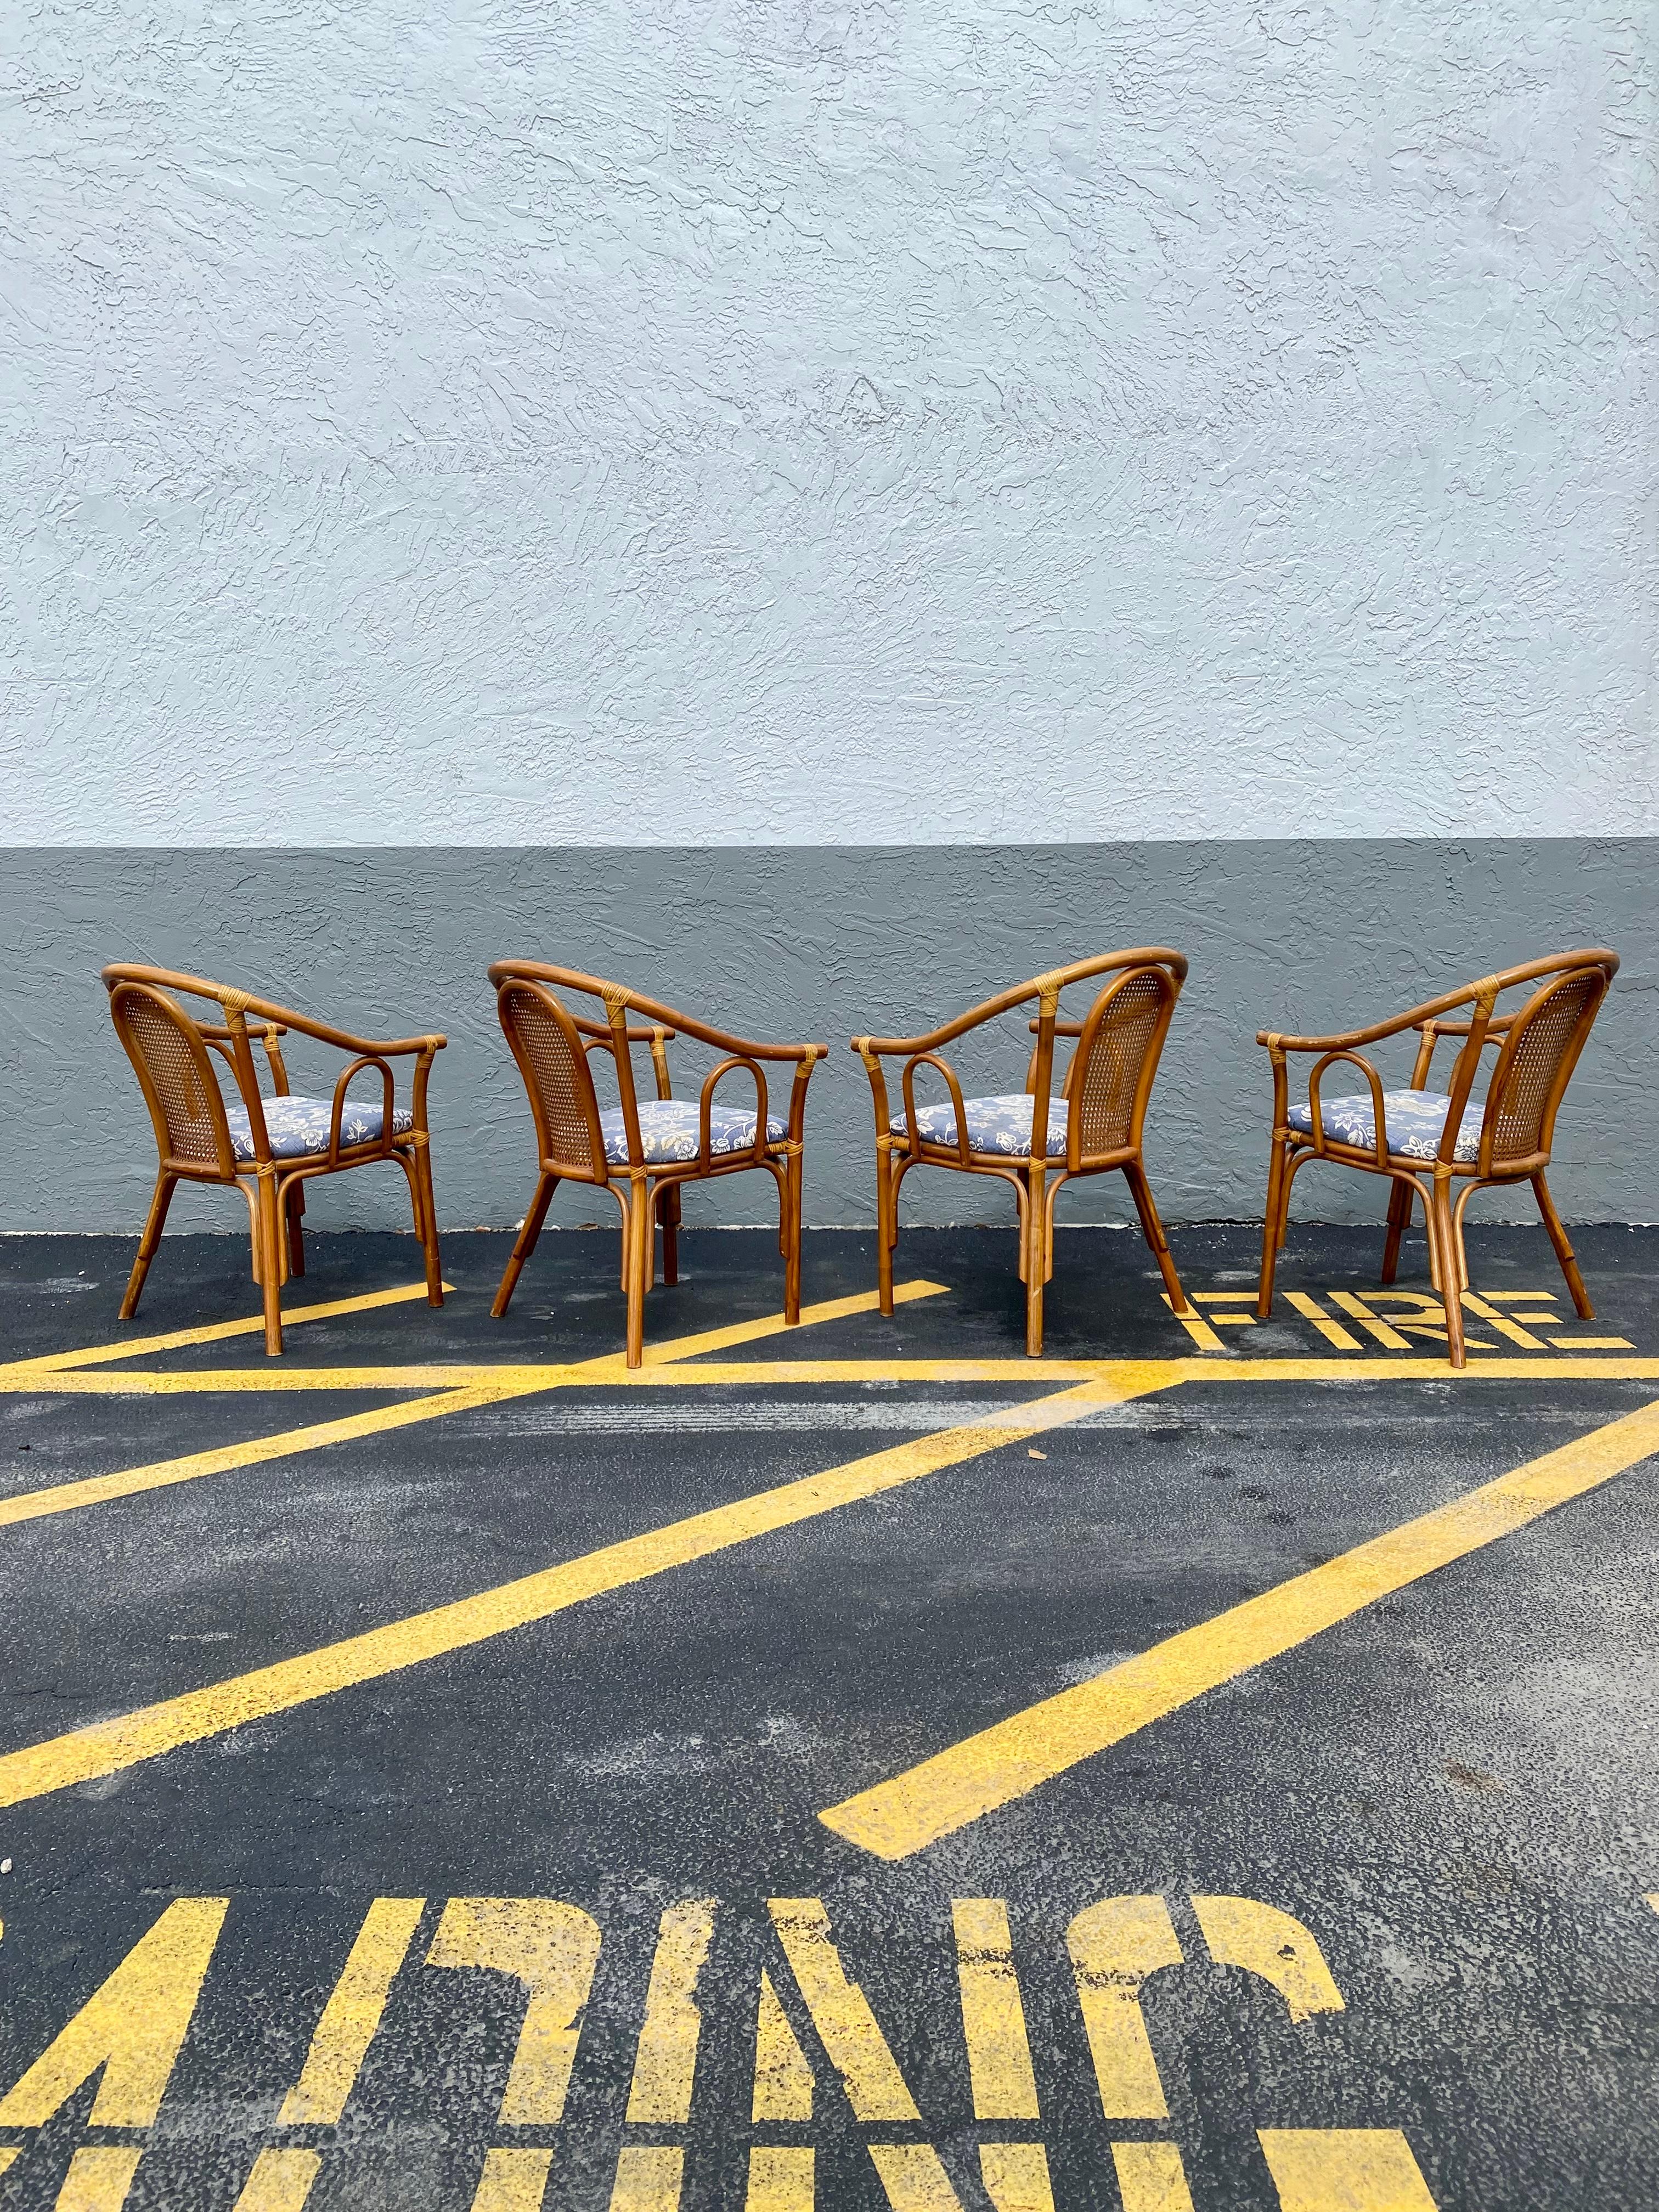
(298, 1126)
(1001, 1124)
(669, 1130)
(1412, 1122)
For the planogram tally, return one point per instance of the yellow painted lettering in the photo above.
(1115, 1945)
(552, 1948)
(353, 2013)
(840, 2013)
(666, 2061)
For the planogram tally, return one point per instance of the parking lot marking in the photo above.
(98, 2181)
(853, 2042)
(784, 2086)
(512, 2181)
(1344, 2170)
(1331, 1331)
(160, 1474)
(130, 2026)
(665, 2059)
(486, 1387)
(1016, 2177)
(281, 2181)
(782, 2177)
(1151, 2178)
(342, 2035)
(107, 1747)
(649, 2177)
(552, 1948)
(945, 1793)
(216, 1332)
(992, 2017)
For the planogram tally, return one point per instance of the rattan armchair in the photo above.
(1425, 1141)
(1093, 1126)
(643, 1151)
(268, 1145)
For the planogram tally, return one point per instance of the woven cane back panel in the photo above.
(1106, 1108)
(1519, 1129)
(562, 1085)
(185, 1104)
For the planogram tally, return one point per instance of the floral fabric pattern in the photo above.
(669, 1132)
(1002, 1124)
(299, 1125)
(1413, 1122)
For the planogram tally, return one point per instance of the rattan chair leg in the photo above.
(429, 1234)
(636, 1264)
(154, 1221)
(1264, 1292)
(1557, 1236)
(1153, 1228)
(792, 1207)
(525, 1244)
(297, 1242)
(886, 1230)
(1399, 1220)
(268, 1231)
(1031, 1254)
(1443, 1255)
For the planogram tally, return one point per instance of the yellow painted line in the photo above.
(93, 1355)
(493, 1386)
(1331, 1331)
(108, 1746)
(160, 1474)
(1004, 1762)
(516, 1379)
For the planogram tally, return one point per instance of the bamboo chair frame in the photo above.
(172, 1051)
(1147, 981)
(570, 1144)
(1529, 1081)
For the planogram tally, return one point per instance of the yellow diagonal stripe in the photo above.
(127, 1482)
(491, 1386)
(1001, 1763)
(111, 1745)
(93, 1355)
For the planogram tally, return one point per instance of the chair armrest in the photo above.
(1379, 1124)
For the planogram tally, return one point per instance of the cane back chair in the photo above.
(642, 1150)
(267, 1145)
(1427, 1141)
(1093, 1125)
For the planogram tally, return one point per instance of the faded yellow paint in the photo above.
(782, 2178)
(1344, 2170)
(1331, 1331)
(352, 2014)
(783, 2080)
(649, 2177)
(178, 1339)
(222, 1459)
(1262, 1940)
(106, 1746)
(665, 2060)
(913, 2178)
(1196, 1327)
(132, 2026)
(8, 2153)
(552, 1948)
(1002, 1762)
(853, 2042)
(512, 2181)
(281, 2181)
(98, 2181)
(1016, 2177)
(1368, 1320)
(992, 2017)
(1503, 1323)
(1151, 2178)
(1114, 1946)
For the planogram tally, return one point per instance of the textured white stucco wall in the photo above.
(813, 423)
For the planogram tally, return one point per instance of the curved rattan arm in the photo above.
(1486, 988)
(613, 994)
(1380, 1120)
(706, 1108)
(243, 1003)
(1041, 988)
(387, 1099)
(933, 1059)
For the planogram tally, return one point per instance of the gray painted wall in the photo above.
(823, 423)
(812, 943)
